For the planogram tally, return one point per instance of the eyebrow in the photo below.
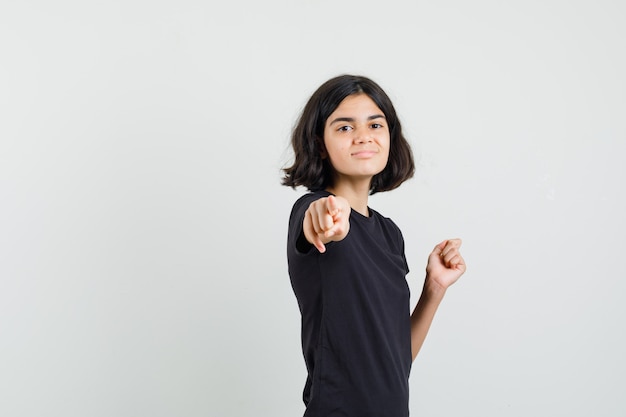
(351, 119)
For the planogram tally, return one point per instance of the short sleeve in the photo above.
(296, 240)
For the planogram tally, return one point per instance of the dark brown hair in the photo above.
(314, 172)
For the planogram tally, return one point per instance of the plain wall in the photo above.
(143, 226)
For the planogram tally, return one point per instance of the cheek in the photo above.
(386, 158)
(386, 144)
(387, 152)
(335, 146)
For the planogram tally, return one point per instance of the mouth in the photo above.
(365, 153)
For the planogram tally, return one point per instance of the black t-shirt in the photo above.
(354, 301)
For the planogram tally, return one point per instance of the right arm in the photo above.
(326, 220)
(445, 267)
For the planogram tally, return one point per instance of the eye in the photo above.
(376, 126)
(345, 128)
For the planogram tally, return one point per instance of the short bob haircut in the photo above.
(313, 171)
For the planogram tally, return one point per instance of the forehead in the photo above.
(356, 104)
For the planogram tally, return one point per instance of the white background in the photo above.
(142, 224)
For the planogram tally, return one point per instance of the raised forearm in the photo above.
(424, 313)
(445, 267)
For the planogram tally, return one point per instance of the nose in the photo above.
(362, 135)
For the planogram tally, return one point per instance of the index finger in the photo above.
(331, 204)
(449, 245)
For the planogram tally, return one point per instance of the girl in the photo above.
(346, 261)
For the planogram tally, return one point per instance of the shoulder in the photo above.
(388, 227)
(297, 244)
(305, 200)
(299, 208)
(383, 220)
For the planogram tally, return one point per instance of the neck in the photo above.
(356, 194)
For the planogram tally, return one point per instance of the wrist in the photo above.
(433, 289)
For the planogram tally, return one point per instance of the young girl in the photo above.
(346, 261)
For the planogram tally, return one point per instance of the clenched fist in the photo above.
(445, 263)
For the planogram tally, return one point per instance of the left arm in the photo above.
(445, 267)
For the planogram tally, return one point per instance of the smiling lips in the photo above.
(364, 153)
